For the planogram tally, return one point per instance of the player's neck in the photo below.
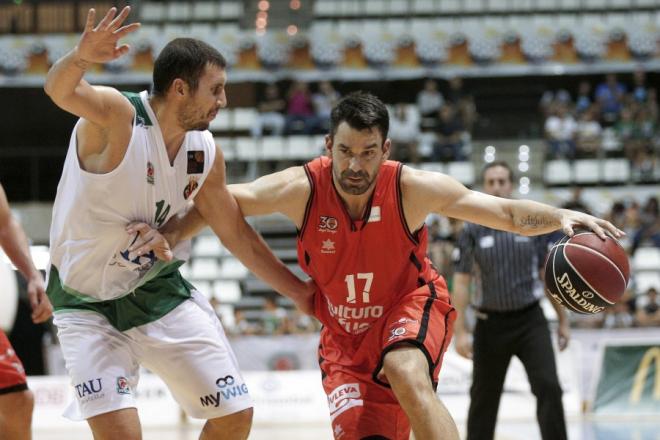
(172, 133)
(356, 205)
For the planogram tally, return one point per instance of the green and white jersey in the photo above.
(88, 242)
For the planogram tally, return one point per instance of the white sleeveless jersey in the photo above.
(88, 241)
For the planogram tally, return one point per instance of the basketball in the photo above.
(586, 274)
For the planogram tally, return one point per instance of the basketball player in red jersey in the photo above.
(16, 401)
(386, 312)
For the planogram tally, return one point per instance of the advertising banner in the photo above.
(629, 382)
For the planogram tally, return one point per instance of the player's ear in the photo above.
(387, 146)
(328, 143)
(179, 87)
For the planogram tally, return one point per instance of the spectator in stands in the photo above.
(274, 317)
(242, 326)
(550, 99)
(618, 316)
(652, 104)
(624, 129)
(583, 101)
(617, 215)
(588, 134)
(324, 100)
(560, 131)
(609, 95)
(644, 164)
(639, 89)
(429, 102)
(302, 323)
(271, 112)
(449, 131)
(648, 314)
(576, 203)
(404, 133)
(300, 116)
(649, 225)
(645, 125)
(463, 101)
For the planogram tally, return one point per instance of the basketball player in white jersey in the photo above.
(141, 157)
(16, 400)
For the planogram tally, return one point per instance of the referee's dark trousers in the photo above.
(497, 337)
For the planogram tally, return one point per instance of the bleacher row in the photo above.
(593, 172)
(401, 42)
(152, 11)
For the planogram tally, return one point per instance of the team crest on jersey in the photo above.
(195, 162)
(328, 224)
(191, 187)
(150, 173)
(328, 247)
(122, 385)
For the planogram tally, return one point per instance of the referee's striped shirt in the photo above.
(508, 263)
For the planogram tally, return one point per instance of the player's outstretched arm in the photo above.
(425, 192)
(221, 211)
(65, 84)
(285, 192)
(15, 244)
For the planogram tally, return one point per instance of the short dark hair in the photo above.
(498, 163)
(361, 111)
(184, 58)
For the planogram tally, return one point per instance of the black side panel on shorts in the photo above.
(14, 388)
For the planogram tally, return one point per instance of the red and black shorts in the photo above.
(362, 404)
(12, 374)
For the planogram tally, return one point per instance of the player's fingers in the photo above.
(568, 229)
(91, 15)
(43, 311)
(597, 229)
(142, 239)
(32, 297)
(160, 249)
(114, 24)
(144, 248)
(103, 24)
(138, 228)
(616, 232)
(121, 50)
(135, 227)
(123, 31)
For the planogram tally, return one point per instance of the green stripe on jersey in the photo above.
(141, 112)
(147, 303)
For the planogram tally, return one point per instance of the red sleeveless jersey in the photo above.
(361, 267)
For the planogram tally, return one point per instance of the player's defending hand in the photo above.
(148, 239)
(99, 44)
(41, 307)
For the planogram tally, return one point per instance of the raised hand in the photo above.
(99, 44)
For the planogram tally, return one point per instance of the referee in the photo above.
(510, 321)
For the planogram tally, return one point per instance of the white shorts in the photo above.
(187, 348)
